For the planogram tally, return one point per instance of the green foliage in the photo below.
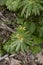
(35, 49)
(28, 34)
(28, 7)
(1, 51)
(22, 39)
(31, 7)
(40, 27)
(2, 2)
(12, 4)
(36, 40)
(40, 30)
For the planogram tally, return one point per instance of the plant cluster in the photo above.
(28, 34)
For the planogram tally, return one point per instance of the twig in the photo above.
(1, 58)
(4, 26)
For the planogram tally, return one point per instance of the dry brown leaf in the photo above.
(15, 62)
(40, 58)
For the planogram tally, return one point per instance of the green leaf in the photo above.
(2, 2)
(36, 49)
(12, 4)
(30, 27)
(18, 46)
(1, 52)
(31, 7)
(36, 40)
(23, 10)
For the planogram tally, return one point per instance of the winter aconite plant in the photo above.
(22, 40)
(30, 7)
